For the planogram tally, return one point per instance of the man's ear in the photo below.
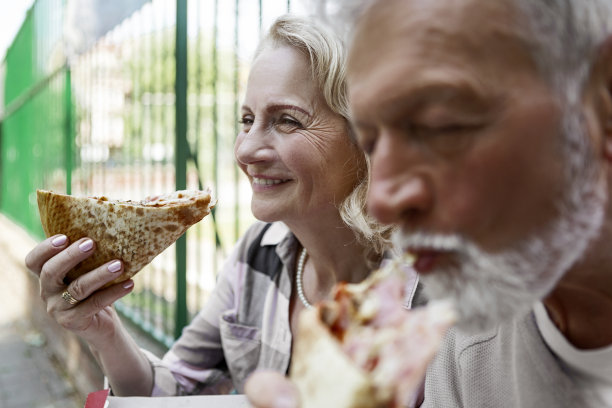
(608, 142)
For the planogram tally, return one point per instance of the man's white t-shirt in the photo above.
(592, 368)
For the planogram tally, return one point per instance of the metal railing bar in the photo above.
(29, 94)
(236, 115)
(164, 50)
(260, 17)
(215, 116)
(196, 291)
(69, 130)
(194, 158)
(181, 158)
(134, 315)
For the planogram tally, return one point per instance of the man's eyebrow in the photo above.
(444, 92)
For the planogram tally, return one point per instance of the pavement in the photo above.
(30, 375)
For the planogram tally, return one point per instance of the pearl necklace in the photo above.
(298, 279)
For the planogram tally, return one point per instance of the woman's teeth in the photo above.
(266, 182)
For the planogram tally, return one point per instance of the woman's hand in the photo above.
(81, 307)
(270, 389)
(84, 308)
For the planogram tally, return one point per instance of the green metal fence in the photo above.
(36, 100)
(151, 106)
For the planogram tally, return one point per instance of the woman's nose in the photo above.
(253, 147)
(398, 193)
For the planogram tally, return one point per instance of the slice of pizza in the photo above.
(363, 349)
(133, 231)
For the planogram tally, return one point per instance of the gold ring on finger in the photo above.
(69, 298)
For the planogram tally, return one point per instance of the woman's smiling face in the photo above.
(293, 148)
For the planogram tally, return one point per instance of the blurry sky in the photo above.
(12, 13)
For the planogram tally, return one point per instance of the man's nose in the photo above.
(399, 192)
(253, 147)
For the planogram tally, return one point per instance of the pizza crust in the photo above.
(362, 349)
(134, 232)
(323, 373)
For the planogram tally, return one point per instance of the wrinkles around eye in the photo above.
(285, 122)
(289, 123)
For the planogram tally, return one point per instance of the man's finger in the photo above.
(269, 389)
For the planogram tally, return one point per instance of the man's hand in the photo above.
(269, 389)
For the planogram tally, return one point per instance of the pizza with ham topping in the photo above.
(133, 231)
(363, 348)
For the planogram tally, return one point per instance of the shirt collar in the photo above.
(275, 234)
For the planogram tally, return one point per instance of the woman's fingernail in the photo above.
(59, 240)
(285, 401)
(114, 267)
(128, 284)
(86, 245)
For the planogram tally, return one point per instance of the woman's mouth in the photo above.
(258, 181)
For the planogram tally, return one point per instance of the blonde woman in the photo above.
(309, 182)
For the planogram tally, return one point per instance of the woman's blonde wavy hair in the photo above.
(327, 53)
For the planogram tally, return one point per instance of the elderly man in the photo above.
(489, 127)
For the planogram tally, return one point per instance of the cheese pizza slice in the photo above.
(363, 349)
(132, 231)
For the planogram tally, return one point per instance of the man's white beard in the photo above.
(487, 289)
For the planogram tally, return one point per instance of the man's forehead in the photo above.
(427, 34)
(388, 21)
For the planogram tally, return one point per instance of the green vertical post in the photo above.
(236, 116)
(215, 129)
(181, 150)
(69, 131)
(260, 17)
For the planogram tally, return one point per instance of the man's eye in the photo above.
(427, 131)
(368, 147)
(446, 139)
(367, 144)
(453, 128)
(365, 138)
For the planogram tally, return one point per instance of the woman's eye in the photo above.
(246, 121)
(289, 121)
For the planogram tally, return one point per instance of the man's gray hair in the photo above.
(564, 36)
(567, 36)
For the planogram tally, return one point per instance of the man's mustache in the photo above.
(425, 240)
